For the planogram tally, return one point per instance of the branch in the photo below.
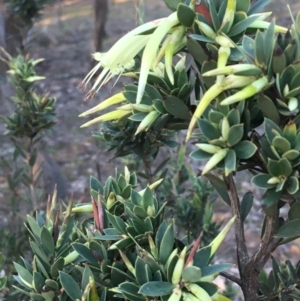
(261, 252)
(231, 278)
(288, 290)
(148, 170)
(242, 251)
(271, 247)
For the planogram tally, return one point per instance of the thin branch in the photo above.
(288, 290)
(231, 278)
(265, 242)
(148, 170)
(271, 247)
(242, 251)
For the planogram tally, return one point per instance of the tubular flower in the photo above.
(120, 57)
(229, 14)
(150, 51)
(247, 92)
(117, 114)
(115, 99)
(175, 43)
(115, 61)
(230, 82)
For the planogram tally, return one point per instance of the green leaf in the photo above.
(43, 269)
(149, 260)
(140, 212)
(208, 130)
(196, 51)
(209, 287)
(281, 145)
(38, 281)
(24, 275)
(140, 271)
(259, 49)
(269, 43)
(3, 281)
(235, 135)
(234, 117)
(258, 6)
(117, 274)
(147, 199)
(70, 286)
(200, 155)
(166, 245)
(245, 149)
(170, 266)
(32, 79)
(173, 4)
(85, 252)
(47, 241)
(156, 289)
(159, 106)
(291, 155)
(157, 276)
(280, 168)
(152, 92)
(290, 132)
(207, 66)
(268, 108)
(246, 205)
(177, 108)
(279, 62)
(215, 269)
(270, 198)
(215, 116)
(230, 162)
(96, 185)
(261, 180)
(36, 230)
(56, 267)
(214, 15)
(37, 297)
(248, 46)
(53, 284)
(191, 274)
(201, 38)
(131, 291)
(292, 185)
(138, 116)
(49, 296)
(117, 223)
(289, 229)
(185, 15)
(271, 130)
(122, 244)
(220, 187)
(294, 211)
(202, 256)
(242, 25)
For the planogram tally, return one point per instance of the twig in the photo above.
(266, 240)
(231, 278)
(288, 290)
(32, 186)
(242, 251)
(271, 247)
(148, 170)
